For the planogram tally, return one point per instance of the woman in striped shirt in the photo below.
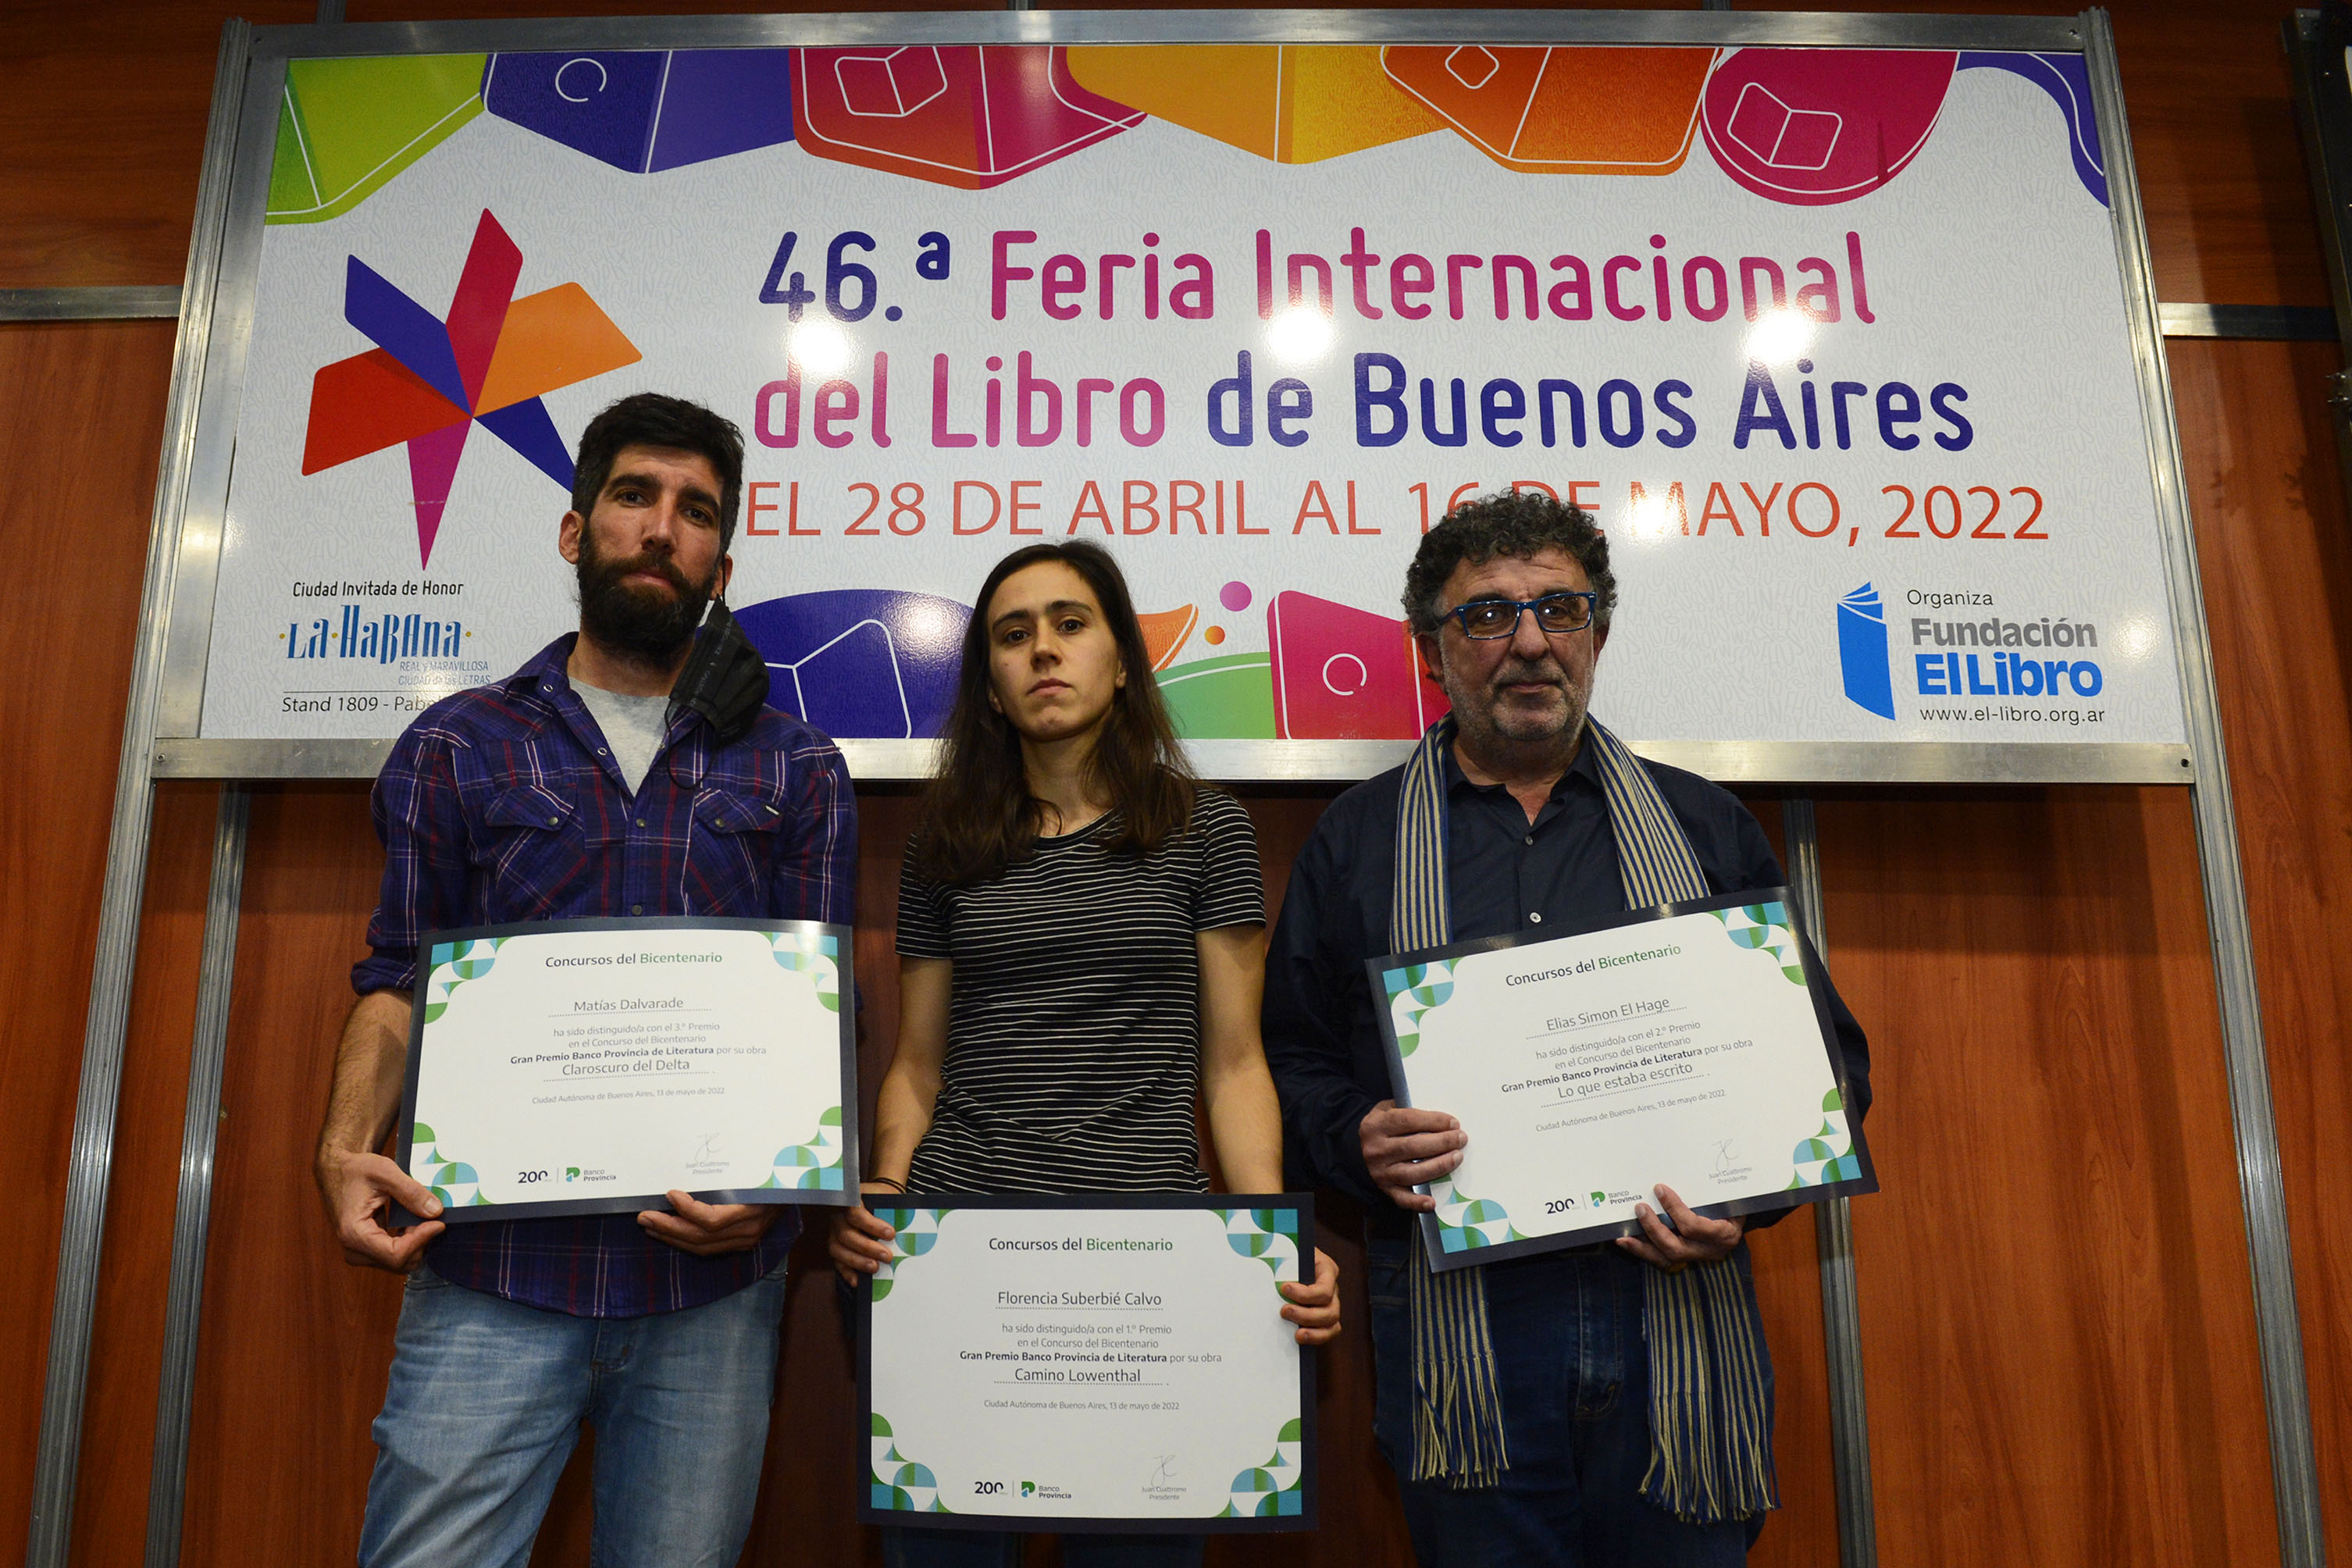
(1082, 944)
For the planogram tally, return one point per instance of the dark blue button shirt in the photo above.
(1504, 875)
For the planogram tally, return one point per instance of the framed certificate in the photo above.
(591, 1067)
(1689, 1046)
(1089, 1364)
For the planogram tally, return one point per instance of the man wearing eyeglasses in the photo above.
(1520, 1402)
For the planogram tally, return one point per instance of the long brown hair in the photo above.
(978, 816)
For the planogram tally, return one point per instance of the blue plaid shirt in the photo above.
(503, 804)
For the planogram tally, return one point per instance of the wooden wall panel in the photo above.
(1803, 1533)
(126, 1362)
(810, 1466)
(291, 1368)
(1364, 1522)
(2221, 167)
(2058, 1326)
(2112, 949)
(104, 126)
(2269, 498)
(80, 421)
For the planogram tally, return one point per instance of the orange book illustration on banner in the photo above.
(1546, 110)
(1289, 103)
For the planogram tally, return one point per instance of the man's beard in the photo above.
(637, 620)
(1503, 720)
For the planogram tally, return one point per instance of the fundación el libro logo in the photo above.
(1862, 651)
(2033, 657)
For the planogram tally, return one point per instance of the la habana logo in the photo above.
(430, 380)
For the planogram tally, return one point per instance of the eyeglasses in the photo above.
(1490, 619)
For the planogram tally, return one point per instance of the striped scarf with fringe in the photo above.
(1710, 1414)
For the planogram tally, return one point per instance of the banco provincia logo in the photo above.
(1862, 651)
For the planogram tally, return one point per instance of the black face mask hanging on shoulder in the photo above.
(725, 680)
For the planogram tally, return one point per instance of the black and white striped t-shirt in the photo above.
(1074, 1040)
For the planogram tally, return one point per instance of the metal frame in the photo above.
(1833, 1240)
(192, 1222)
(1724, 28)
(1263, 761)
(196, 567)
(91, 1165)
(98, 303)
(2295, 1474)
(217, 315)
(2265, 323)
(2277, 324)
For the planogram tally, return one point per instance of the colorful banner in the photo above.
(1833, 343)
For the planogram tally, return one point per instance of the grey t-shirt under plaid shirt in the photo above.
(634, 728)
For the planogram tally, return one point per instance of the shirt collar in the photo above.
(548, 676)
(548, 671)
(1586, 767)
(547, 680)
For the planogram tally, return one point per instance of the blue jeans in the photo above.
(486, 1404)
(904, 1548)
(1574, 1372)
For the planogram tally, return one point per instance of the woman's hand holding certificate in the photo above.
(1103, 1362)
(1573, 1083)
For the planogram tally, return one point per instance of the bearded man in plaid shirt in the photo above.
(633, 768)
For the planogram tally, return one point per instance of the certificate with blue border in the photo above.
(592, 1067)
(1089, 1364)
(1689, 1046)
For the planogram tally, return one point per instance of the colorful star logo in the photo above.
(427, 381)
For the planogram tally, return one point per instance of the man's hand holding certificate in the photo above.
(1691, 1051)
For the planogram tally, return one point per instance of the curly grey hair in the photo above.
(1512, 523)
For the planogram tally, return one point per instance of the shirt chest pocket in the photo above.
(535, 844)
(733, 855)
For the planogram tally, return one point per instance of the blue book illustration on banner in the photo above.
(1862, 651)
